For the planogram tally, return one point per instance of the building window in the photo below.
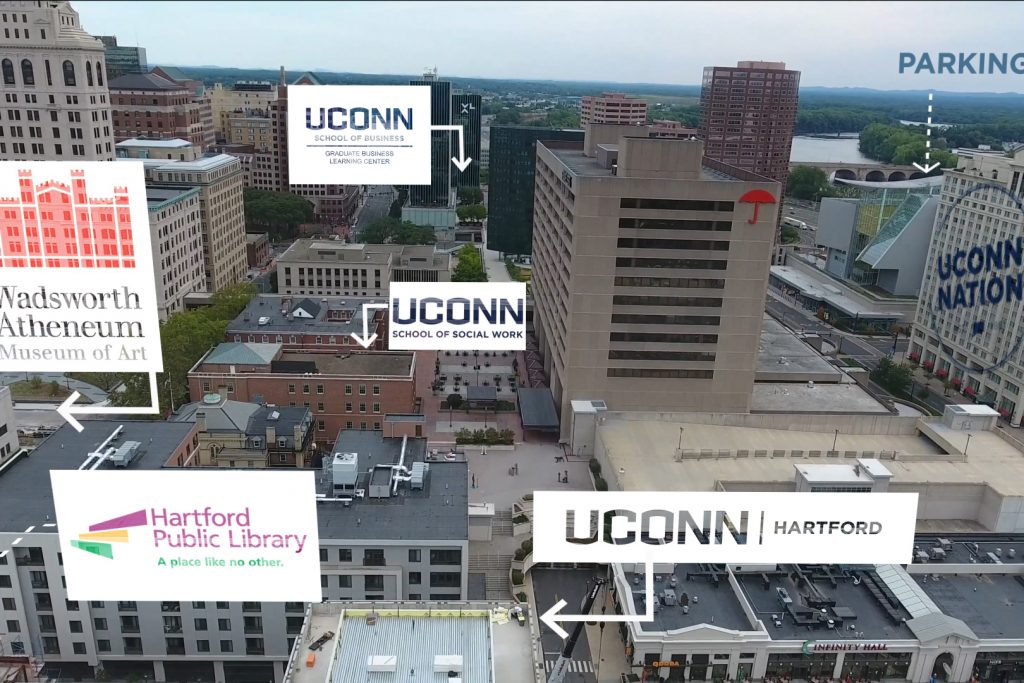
(99, 623)
(8, 69)
(344, 555)
(453, 556)
(348, 389)
(345, 581)
(103, 645)
(291, 388)
(27, 76)
(319, 388)
(203, 645)
(373, 557)
(227, 646)
(99, 76)
(362, 390)
(88, 73)
(51, 645)
(414, 578)
(69, 73)
(376, 390)
(445, 579)
(373, 583)
(415, 554)
(223, 624)
(200, 624)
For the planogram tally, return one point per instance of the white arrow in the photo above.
(928, 168)
(552, 616)
(367, 338)
(462, 161)
(67, 408)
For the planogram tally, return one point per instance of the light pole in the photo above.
(968, 444)
(680, 438)
(834, 440)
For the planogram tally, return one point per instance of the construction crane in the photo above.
(562, 664)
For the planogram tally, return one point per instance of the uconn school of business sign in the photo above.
(457, 316)
(722, 527)
(359, 134)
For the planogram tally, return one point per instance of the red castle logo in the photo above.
(51, 225)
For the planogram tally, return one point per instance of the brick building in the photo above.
(147, 105)
(343, 390)
(613, 107)
(307, 324)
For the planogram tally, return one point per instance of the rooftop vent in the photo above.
(381, 663)
(274, 416)
(264, 320)
(447, 663)
(211, 399)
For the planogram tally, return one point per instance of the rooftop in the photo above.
(240, 417)
(176, 143)
(269, 313)
(762, 450)
(494, 649)
(157, 196)
(438, 511)
(571, 154)
(205, 163)
(241, 353)
(783, 356)
(823, 289)
(795, 397)
(26, 498)
(418, 256)
(383, 364)
(148, 81)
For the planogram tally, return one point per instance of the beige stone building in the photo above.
(56, 105)
(176, 229)
(252, 127)
(327, 267)
(219, 179)
(649, 277)
(142, 148)
(229, 101)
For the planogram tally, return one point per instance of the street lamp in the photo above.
(968, 444)
(834, 440)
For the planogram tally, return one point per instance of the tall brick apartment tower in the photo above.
(747, 117)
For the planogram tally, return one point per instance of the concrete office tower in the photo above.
(176, 233)
(122, 59)
(747, 116)
(983, 335)
(219, 179)
(510, 188)
(466, 113)
(613, 107)
(438, 192)
(54, 83)
(649, 275)
(149, 106)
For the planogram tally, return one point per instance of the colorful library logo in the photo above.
(52, 224)
(101, 536)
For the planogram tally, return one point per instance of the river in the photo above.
(827, 151)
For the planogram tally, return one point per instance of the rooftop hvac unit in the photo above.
(345, 469)
(784, 596)
(418, 475)
(446, 663)
(921, 557)
(382, 663)
(937, 554)
(125, 453)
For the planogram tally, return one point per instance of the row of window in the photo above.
(374, 582)
(702, 245)
(675, 204)
(663, 338)
(637, 319)
(689, 263)
(670, 224)
(687, 282)
(28, 76)
(694, 301)
(374, 557)
(648, 373)
(616, 354)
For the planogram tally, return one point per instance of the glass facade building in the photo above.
(438, 192)
(510, 191)
(466, 113)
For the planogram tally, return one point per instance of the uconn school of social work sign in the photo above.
(488, 316)
(359, 134)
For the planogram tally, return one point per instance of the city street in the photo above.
(376, 204)
(550, 586)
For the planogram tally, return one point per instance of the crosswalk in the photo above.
(579, 666)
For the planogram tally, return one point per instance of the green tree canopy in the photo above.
(473, 213)
(279, 213)
(470, 195)
(892, 376)
(388, 230)
(806, 182)
(902, 145)
(470, 267)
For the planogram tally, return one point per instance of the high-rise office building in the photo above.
(650, 264)
(747, 116)
(512, 161)
(54, 82)
(613, 107)
(969, 323)
(123, 59)
(466, 113)
(238, 99)
(438, 192)
(176, 233)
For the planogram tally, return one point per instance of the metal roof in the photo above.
(931, 627)
(906, 590)
(148, 81)
(414, 641)
(537, 409)
(242, 353)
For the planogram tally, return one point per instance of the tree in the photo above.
(470, 267)
(388, 230)
(806, 182)
(893, 376)
(471, 195)
(474, 213)
(454, 401)
(54, 388)
(507, 117)
(396, 206)
(279, 213)
(790, 235)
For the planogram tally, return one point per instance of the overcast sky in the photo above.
(833, 43)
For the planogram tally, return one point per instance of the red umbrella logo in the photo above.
(757, 198)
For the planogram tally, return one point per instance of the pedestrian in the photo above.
(566, 480)
(559, 475)
(517, 469)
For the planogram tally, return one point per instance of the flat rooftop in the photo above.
(794, 397)
(380, 363)
(822, 288)
(397, 255)
(991, 605)
(584, 166)
(272, 314)
(176, 143)
(644, 448)
(438, 511)
(715, 605)
(26, 497)
(493, 648)
(782, 356)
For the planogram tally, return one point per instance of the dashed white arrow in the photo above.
(461, 162)
(367, 338)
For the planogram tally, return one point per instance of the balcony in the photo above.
(176, 649)
(374, 562)
(135, 650)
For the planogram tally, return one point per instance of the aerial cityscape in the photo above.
(755, 301)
